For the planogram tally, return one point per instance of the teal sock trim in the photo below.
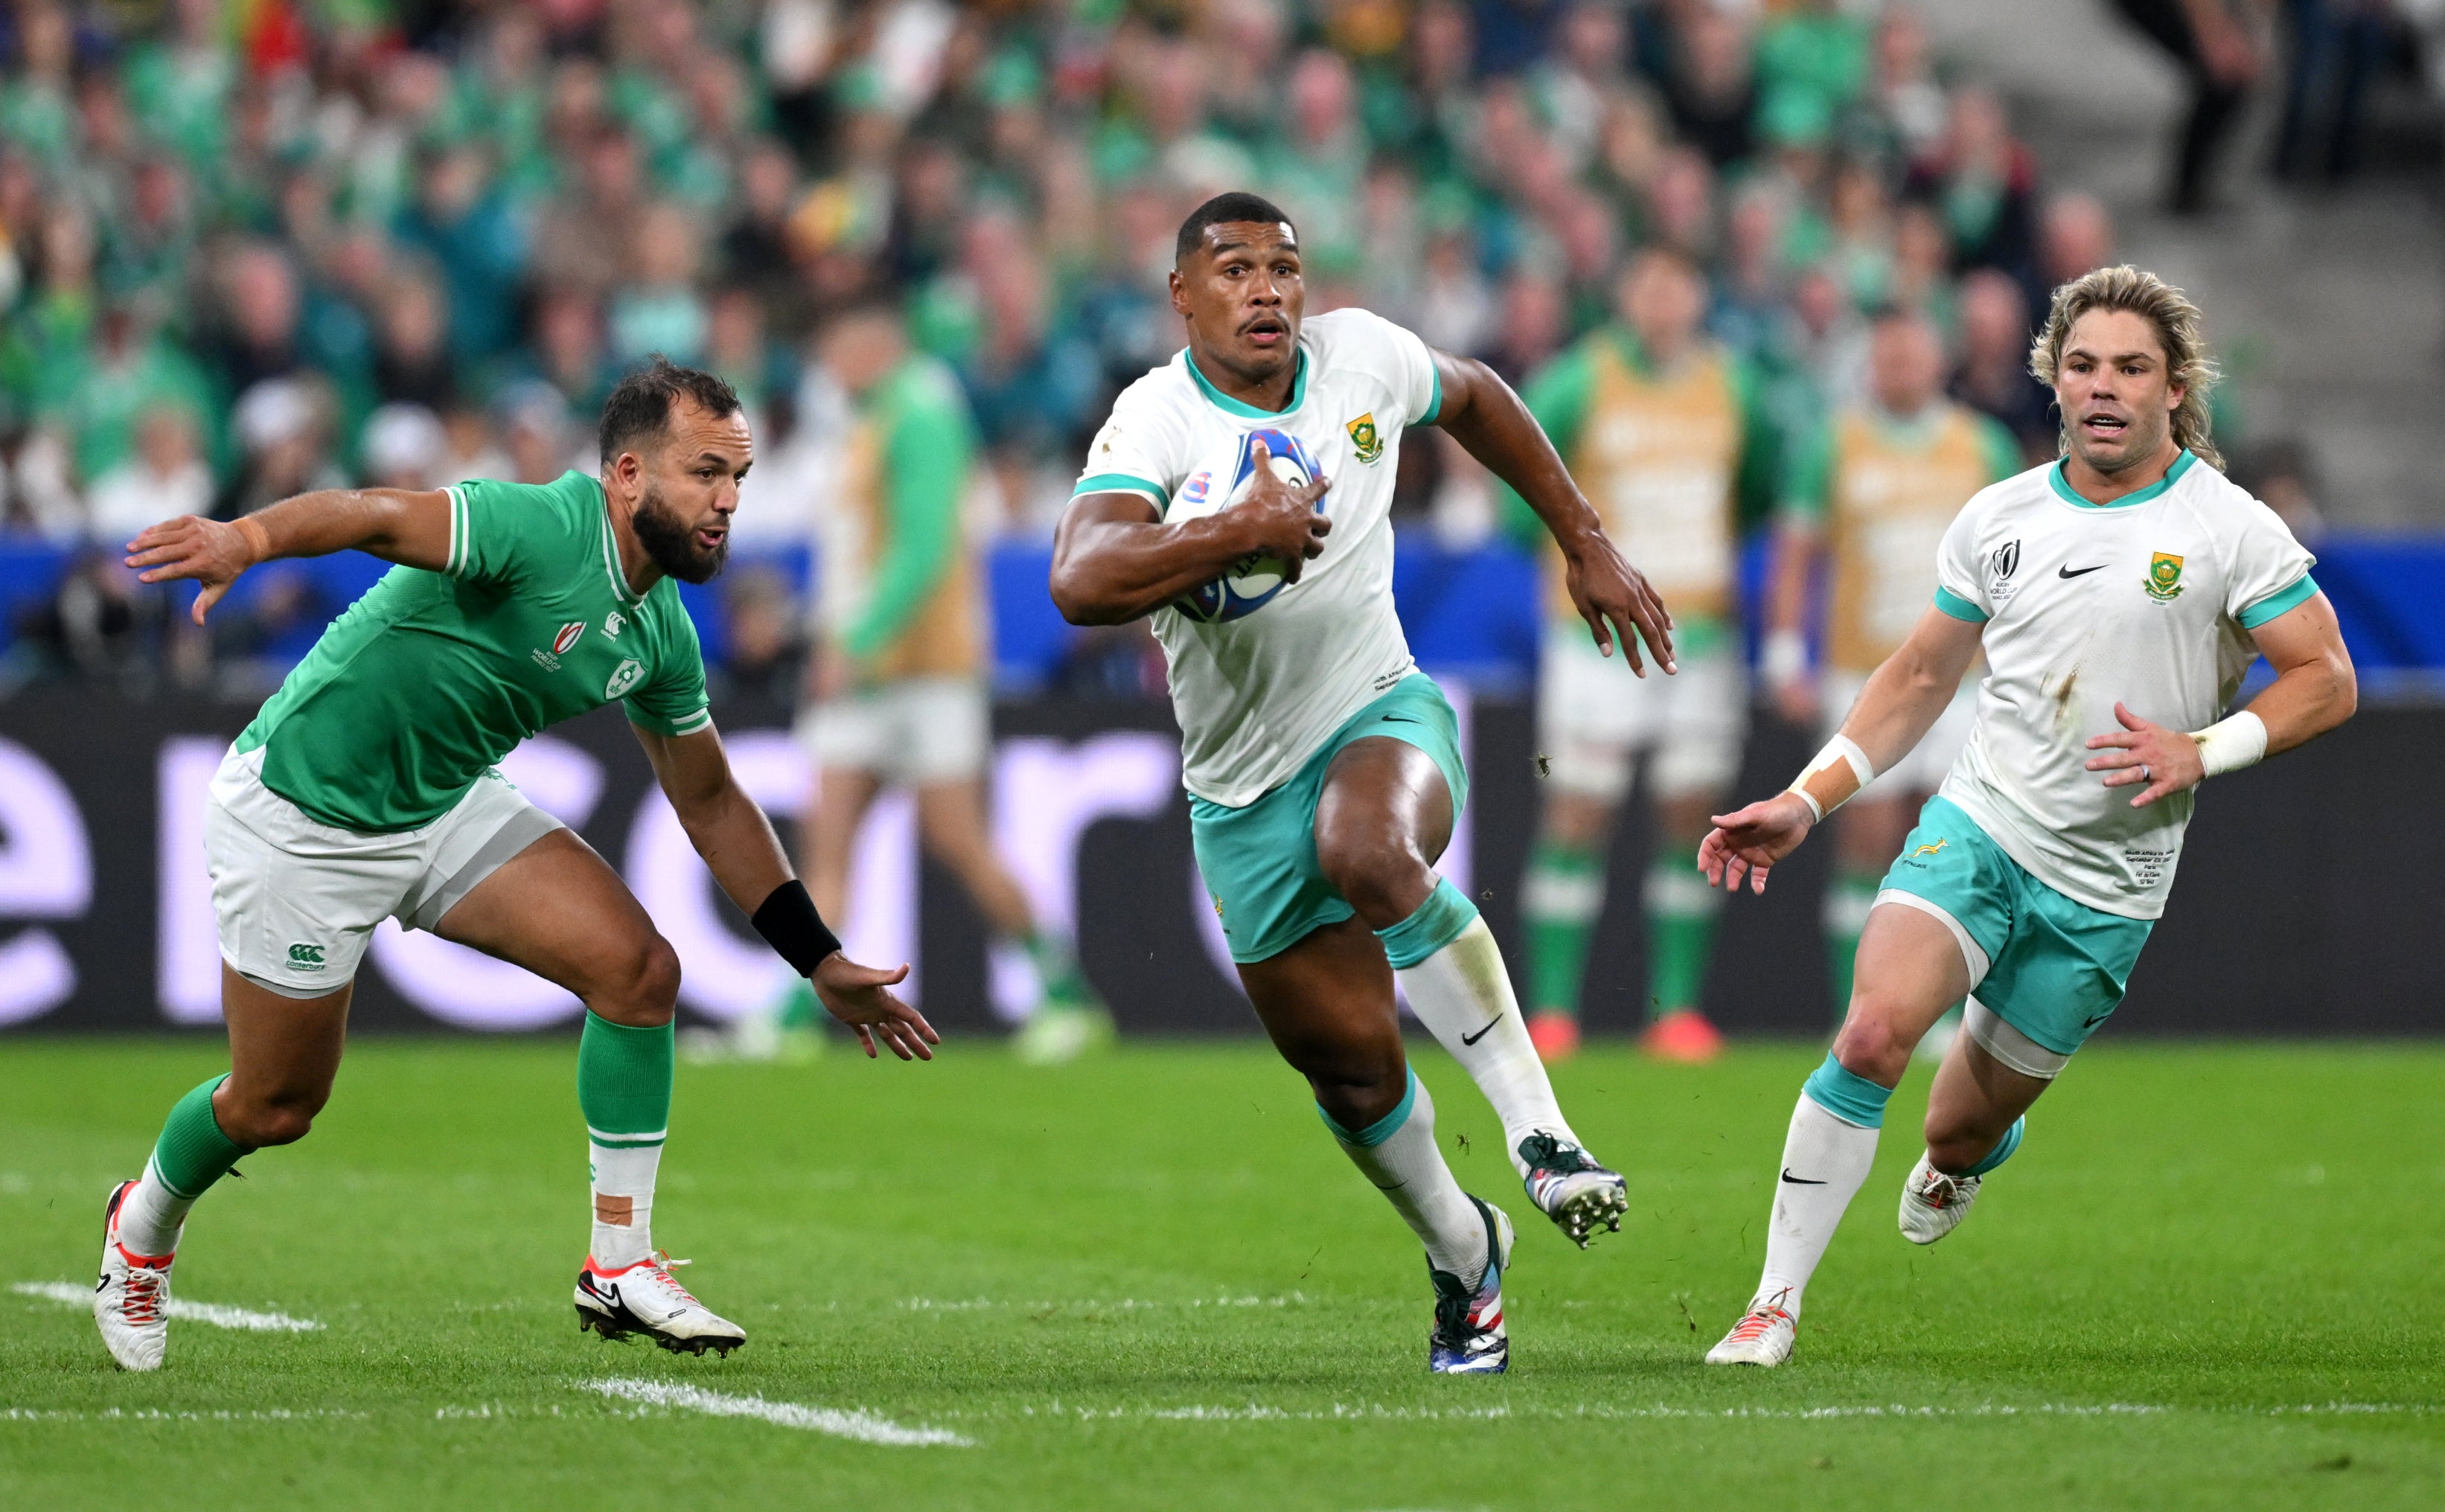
(1438, 922)
(1847, 1094)
(1382, 1128)
(192, 1152)
(624, 1081)
(2002, 1150)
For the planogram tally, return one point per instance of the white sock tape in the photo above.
(2229, 745)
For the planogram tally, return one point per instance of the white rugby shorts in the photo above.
(1594, 716)
(913, 732)
(297, 901)
(1922, 771)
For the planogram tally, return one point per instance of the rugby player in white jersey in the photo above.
(1323, 768)
(2119, 593)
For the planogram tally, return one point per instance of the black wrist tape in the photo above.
(790, 924)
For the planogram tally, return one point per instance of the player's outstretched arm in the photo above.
(2315, 689)
(1115, 560)
(1491, 425)
(1901, 701)
(408, 526)
(746, 858)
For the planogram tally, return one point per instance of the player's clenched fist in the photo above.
(1287, 520)
(209, 551)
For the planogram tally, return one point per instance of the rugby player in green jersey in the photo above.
(365, 790)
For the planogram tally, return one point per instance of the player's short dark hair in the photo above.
(641, 405)
(1222, 210)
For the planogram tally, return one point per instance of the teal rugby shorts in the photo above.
(1260, 862)
(2054, 969)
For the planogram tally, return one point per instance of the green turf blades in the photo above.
(1228, 1318)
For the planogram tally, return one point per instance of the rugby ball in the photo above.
(1253, 581)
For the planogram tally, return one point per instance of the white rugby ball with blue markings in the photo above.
(1253, 581)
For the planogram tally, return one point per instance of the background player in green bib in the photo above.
(365, 790)
(1323, 768)
(2119, 595)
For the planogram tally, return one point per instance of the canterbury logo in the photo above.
(306, 957)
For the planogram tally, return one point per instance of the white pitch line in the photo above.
(1347, 1412)
(71, 1294)
(867, 1428)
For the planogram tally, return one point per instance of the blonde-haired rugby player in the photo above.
(2119, 593)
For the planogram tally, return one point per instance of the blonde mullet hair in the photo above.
(2177, 322)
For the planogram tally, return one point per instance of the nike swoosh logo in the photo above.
(1799, 1180)
(1471, 1039)
(2066, 570)
(1398, 719)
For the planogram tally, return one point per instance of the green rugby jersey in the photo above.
(433, 677)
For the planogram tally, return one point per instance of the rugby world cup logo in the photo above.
(568, 637)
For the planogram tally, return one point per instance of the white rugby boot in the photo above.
(1468, 1338)
(645, 1298)
(1933, 1203)
(131, 1302)
(1763, 1337)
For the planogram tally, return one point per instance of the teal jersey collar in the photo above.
(1232, 407)
(2173, 475)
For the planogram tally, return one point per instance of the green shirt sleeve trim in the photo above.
(2282, 601)
(1123, 483)
(455, 562)
(1959, 607)
(926, 465)
(1434, 405)
(700, 719)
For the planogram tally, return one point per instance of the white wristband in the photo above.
(1783, 658)
(1840, 771)
(2231, 745)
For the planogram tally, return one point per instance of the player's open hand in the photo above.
(2167, 760)
(1286, 521)
(861, 997)
(210, 551)
(1751, 840)
(1613, 596)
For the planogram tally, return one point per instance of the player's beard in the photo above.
(671, 541)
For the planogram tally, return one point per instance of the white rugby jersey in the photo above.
(2150, 601)
(1255, 696)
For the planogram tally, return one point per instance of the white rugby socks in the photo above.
(152, 1215)
(624, 1202)
(1397, 1152)
(1452, 970)
(1825, 1161)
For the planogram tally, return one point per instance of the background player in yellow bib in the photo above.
(366, 789)
(1665, 432)
(899, 681)
(1871, 492)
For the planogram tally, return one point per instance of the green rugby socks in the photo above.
(191, 1155)
(1681, 912)
(1560, 901)
(623, 1088)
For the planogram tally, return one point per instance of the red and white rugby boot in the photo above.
(1933, 1204)
(1763, 1337)
(131, 1302)
(645, 1298)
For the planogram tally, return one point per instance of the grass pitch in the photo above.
(2208, 1280)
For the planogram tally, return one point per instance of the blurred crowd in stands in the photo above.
(250, 249)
